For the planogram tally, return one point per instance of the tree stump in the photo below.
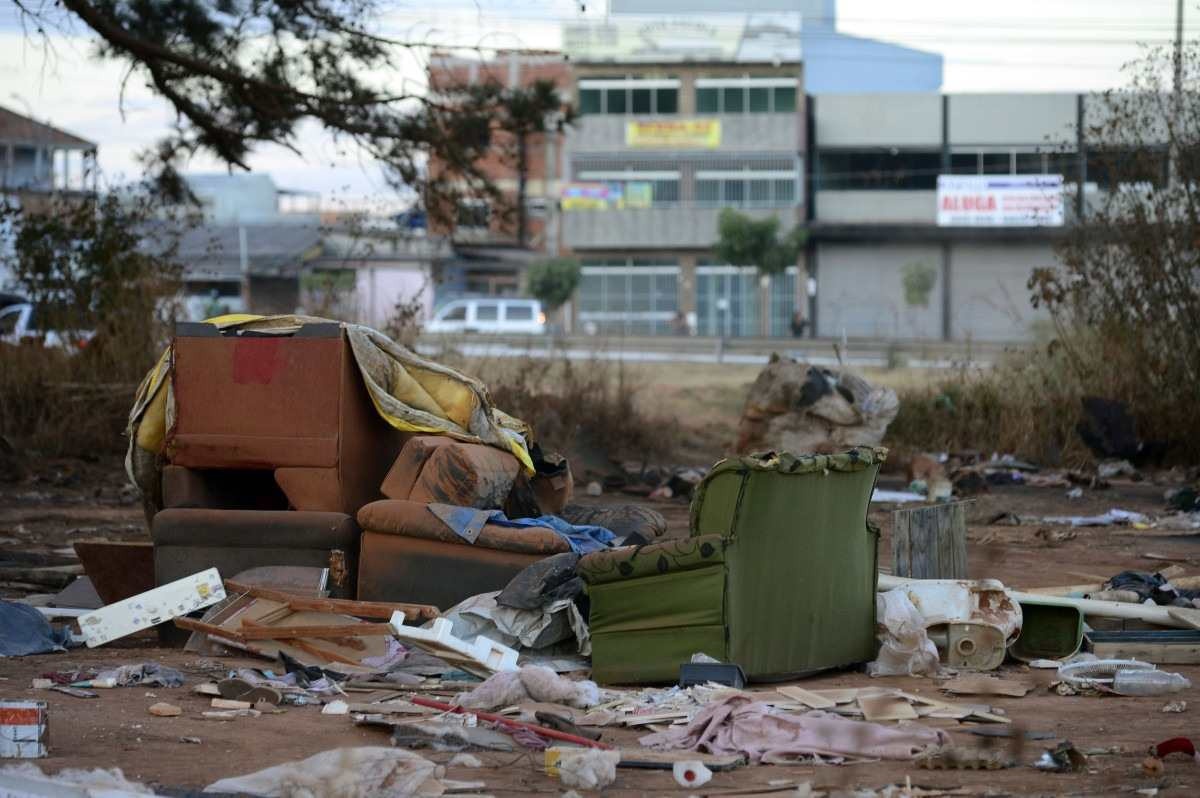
(930, 542)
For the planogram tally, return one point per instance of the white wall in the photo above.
(860, 291)
(879, 120)
(1007, 120)
(989, 297)
(877, 207)
(379, 288)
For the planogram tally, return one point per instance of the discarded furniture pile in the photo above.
(385, 547)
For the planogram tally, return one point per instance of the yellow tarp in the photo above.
(411, 393)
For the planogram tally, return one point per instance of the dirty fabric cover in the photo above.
(410, 393)
(739, 725)
(468, 522)
(24, 630)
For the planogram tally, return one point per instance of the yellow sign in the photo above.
(674, 134)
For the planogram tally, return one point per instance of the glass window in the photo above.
(735, 192)
(641, 101)
(666, 191)
(708, 101)
(591, 292)
(454, 313)
(997, 163)
(735, 100)
(1063, 163)
(473, 213)
(614, 101)
(1030, 163)
(879, 169)
(708, 192)
(487, 311)
(667, 101)
(785, 192)
(589, 101)
(785, 99)
(760, 192)
(964, 163)
(518, 312)
(760, 100)
(640, 299)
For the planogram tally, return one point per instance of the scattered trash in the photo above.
(144, 674)
(1175, 706)
(726, 673)
(955, 757)
(738, 725)
(1075, 493)
(587, 768)
(1112, 517)
(25, 631)
(530, 683)
(152, 607)
(594, 489)
(795, 407)
(1063, 758)
(165, 710)
(482, 656)
(1087, 674)
(691, 774)
(345, 772)
(1142, 682)
(22, 729)
(1176, 745)
(191, 740)
(335, 708)
(27, 779)
(464, 761)
(1117, 468)
(985, 685)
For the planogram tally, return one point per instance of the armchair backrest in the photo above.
(803, 559)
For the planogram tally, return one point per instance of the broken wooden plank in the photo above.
(806, 697)
(886, 707)
(256, 631)
(986, 685)
(930, 542)
(359, 609)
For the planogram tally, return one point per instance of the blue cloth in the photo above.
(467, 522)
(24, 630)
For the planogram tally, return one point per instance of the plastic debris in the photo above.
(585, 768)
(344, 772)
(905, 648)
(691, 774)
(530, 683)
(164, 710)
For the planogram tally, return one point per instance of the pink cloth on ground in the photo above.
(738, 725)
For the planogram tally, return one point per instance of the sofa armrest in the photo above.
(667, 556)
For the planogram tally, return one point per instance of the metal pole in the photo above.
(1178, 50)
(244, 259)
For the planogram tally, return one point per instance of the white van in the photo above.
(489, 315)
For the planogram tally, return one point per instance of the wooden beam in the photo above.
(359, 609)
(250, 631)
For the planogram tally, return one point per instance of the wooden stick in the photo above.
(328, 656)
(254, 631)
(553, 734)
(361, 609)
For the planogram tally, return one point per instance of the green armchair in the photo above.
(778, 575)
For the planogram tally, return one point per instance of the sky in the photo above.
(1018, 45)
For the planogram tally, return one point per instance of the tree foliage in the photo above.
(99, 264)
(243, 73)
(553, 281)
(745, 241)
(1125, 298)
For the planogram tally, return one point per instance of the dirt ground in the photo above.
(62, 502)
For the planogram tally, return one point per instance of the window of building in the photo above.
(663, 184)
(745, 95)
(487, 311)
(997, 163)
(1013, 161)
(591, 101)
(881, 169)
(473, 213)
(636, 296)
(624, 95)
(748, 187)
(1111, 168)
(456, 313)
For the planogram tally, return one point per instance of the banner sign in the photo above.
(674, 134)
(1000, 201)
(591, 196)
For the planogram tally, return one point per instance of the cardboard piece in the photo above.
(886, 707)
(807, 697)
(986, 685)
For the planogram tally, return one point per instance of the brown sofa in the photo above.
(409, 554)
(275, 446)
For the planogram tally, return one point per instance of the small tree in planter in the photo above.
(554, 281)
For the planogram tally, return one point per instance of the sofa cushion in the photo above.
(413, 519)
(398, 483)
(667, 556)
